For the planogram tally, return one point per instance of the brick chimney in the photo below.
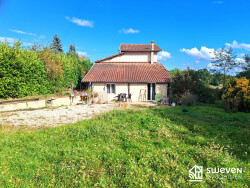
(152, 51)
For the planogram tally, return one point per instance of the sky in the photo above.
(188, 31)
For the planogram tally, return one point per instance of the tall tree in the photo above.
(223, 62)
(246, 67)
(72, 50)
(56, 45)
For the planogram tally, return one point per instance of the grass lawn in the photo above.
(129, 148)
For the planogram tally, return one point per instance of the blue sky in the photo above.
(187, 31)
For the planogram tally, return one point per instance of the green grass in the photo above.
(131, 148)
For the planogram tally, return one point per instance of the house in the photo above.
(134, 70)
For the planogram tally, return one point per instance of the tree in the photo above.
(72, 50)
(204, 76)
(223, 62)
(56, 45)
(246, 67)
(236, 96)
(175, 71)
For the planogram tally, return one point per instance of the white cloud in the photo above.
(82, 53)
(6, 39)
(235, 44)
(22, 32)
(204, 54)
(218, 2)
(12, 40)
(129, 31)
(80, 22)
(163, 55)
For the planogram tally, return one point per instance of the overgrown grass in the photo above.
(132, 148)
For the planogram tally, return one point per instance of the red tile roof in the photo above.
(110, 57)
(127, 72)
(139, 47)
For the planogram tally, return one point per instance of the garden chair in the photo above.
(158, 98)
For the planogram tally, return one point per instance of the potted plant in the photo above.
(99, 101)
(89, 97)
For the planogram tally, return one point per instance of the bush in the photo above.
(181, 83)
(189, 99)
(28, 72)
(189, 81)
(236, 96)
(22, 73)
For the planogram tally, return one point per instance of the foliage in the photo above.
(56, 45)
(246, 67)
(189, 81)
(181, 83)
(189, 99)
(204, 76)
(151, 147)
(37, 71)
(237, 95)
(174, 72)
(244, 74)
(22, 72)
(72, 50)
(223, 61)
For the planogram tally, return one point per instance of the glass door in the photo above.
(151, 91)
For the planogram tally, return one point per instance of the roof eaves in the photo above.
(110, 57)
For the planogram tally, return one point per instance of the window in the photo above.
(110, 88)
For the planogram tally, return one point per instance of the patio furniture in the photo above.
(118, 97)
(84, 96)
(158, 98)
(124, 97)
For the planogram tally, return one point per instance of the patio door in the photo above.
(151, 91)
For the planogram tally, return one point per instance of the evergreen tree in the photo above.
(56, 45)
(72, 49)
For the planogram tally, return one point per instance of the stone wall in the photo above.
(54, 102)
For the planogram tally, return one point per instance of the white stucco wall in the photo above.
(162, 88)
(134, 57)
(135, 88)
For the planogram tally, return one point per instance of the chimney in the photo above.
(152, 51)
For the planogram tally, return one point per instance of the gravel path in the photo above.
(53, 117)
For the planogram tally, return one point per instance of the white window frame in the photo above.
(110, 88)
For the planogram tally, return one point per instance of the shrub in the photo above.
(22, 73)
(189, 81)
(37, 71)
(181, 83)
(188, 99)
(236, 96)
